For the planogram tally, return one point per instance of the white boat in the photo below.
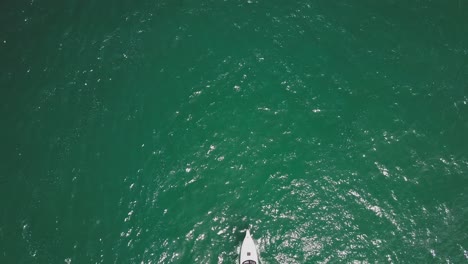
(248, 253)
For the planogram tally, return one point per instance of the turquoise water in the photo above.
(158, 131)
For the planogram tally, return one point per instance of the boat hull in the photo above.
(248, 254)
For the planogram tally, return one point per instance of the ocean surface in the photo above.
(159, 131)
